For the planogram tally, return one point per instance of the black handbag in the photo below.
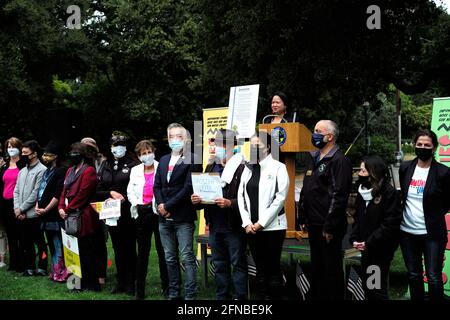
(73, 223)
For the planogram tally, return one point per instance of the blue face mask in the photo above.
(118, 151)
(176, 145)
(317, 140)
(221, 153)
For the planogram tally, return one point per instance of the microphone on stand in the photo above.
(273, 115)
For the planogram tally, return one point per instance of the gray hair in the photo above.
(177, 125)
(332, 128)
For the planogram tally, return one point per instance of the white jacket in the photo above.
(273, 173)
(135, 188)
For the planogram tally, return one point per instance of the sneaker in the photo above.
(2, 264)
(41, 272)
(28, 273)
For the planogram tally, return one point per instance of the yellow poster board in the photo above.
(213, 120)
(71, 254)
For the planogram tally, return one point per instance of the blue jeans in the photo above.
(228, 250)
(179, 236)
(413, 247)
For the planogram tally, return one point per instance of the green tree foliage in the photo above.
(138, 65)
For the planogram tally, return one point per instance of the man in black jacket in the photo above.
(226, 235)
(172, 190)
(322, 207)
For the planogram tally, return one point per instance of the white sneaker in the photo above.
(2, 264)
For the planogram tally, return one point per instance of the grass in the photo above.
(15, 287)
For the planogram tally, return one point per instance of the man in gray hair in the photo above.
(322, 207)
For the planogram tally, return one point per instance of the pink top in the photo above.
(9, 181)
(147, 196)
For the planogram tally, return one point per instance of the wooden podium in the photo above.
(293, 137)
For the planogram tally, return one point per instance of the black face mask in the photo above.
(75, 158)
(424, 154)
(364, 181)
(26, 159)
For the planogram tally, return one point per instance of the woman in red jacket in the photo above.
(79, 189)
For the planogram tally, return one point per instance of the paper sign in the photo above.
(207, 186)
(71, 254)
(107, 209)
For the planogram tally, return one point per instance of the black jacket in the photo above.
(176, 194)
(435, 202)
(53, 189)
(227, 219)
(325, 192)
(115, 180)
(378, 224)
(288, 117)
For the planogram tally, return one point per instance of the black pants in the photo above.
(123, 237)
(413, 247)
(13, 233)
(327, 276)
(90, 259)
(32, 235)
(266, 247)
(146, 225)
(383, 261)
(102, 250)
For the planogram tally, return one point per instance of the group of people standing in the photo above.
(385, 218)
(38, 193)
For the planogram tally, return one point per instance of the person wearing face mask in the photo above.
(143, 209)
(226, 236)
(78, 192)
(177, 215)
(322, 208)
(261, 196)
(25, 195)
(425, 186)
(114, 177)
(48, 196)
(376, 229)
(8, 179)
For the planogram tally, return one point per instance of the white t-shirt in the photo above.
(413, 216)
(173, 161)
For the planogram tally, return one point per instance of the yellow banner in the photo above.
(213, 120)
(71, 254)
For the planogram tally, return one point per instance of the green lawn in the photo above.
(15, 287)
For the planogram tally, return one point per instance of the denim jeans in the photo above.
(228, 250)
(179, 236)
(413, 247)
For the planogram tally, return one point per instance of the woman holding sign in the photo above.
(113, 182)
(261, 196)
(78, 193)
(140, 195)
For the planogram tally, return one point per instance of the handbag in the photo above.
(73, 223)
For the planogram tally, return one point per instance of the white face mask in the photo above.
(147, 159)
(118, 151)
(13, 152)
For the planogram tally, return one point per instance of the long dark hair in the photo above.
(378, 173)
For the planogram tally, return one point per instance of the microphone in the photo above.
(273, 115)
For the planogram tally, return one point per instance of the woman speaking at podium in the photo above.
(280, 102)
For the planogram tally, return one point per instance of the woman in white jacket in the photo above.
(140, 195)
(261, 196)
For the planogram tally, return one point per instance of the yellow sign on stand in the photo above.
(71, 254)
